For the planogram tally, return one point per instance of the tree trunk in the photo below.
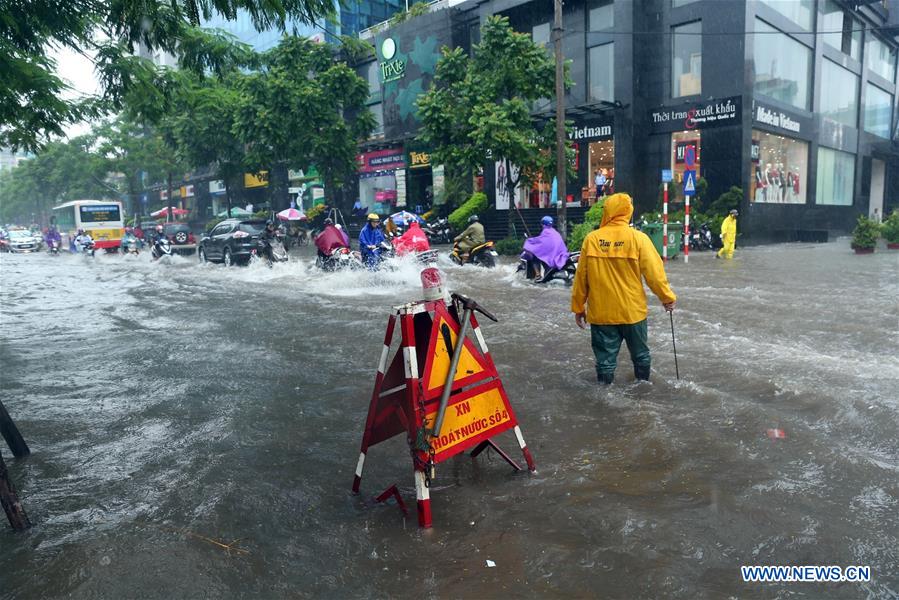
(169, 199)
(278, 183)
(10, 500)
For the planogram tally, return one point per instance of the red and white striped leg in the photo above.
(524, 450)
(423, 497)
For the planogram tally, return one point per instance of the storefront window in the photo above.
(680, 140)
(601, 180)
(798, 11)
(782, 66)
(880, 59)
(601, 15)
(378, 191)
(602, 73)
(378, 111)
(836, 177)
(541, 34)
(839, 30)
(371, 75)
(878, 111)
(839, 94)
(686, 60)
(779, 169)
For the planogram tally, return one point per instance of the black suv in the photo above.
(231, 241)
(183, 241)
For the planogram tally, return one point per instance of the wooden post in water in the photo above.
(11, 434)
(10, 501)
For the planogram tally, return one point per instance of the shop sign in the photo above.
(388, 159)
(392, 68)
(419, 160)
(217, 187)
(187, 191)
(588, 133)
(254, 180)
(293, 175)
(401, 187)
(703, 115)
(774, 117)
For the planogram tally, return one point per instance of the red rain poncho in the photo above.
(329, 239)
(414, 240)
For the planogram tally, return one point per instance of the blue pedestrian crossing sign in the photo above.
(689, 183)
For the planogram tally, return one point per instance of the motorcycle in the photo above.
(483, 255)
(272, 250)
(375, 256)
(699, 239)
(53, 247)
(87, 247)
(539, 272)
(161, 247)
(338, 260)
(438, 232)
(131, 247)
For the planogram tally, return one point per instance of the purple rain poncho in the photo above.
(548, 247)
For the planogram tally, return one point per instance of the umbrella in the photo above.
(292, 214)
(235, 212)
(163, 213)
(403, 217)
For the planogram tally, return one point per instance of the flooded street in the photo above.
(172, 408)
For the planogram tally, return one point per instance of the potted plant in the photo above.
(890, 231)
(864, 236)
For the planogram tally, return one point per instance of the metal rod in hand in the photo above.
(676, 371)
(451, 375)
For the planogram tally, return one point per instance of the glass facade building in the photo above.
(791, 101)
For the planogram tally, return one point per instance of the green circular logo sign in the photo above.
(388, 48)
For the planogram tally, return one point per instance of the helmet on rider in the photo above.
(374, 218)
(159, 229)
(473, 219)
(80, 231)
(547, 220)
(734, 212)
(128, 230)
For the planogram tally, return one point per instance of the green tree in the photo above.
(478, 108)
(31, 108)
(304, 107)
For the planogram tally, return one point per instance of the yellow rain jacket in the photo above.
(729, 229)
(613, 259)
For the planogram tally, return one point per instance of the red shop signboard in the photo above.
(381, 160)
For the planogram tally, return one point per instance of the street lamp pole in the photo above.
(561, 162)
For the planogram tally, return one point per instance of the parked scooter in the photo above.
(483, 255)
(438, 232)
(161, 247)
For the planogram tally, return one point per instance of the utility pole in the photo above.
(561, 162)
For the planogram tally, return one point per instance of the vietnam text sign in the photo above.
(471, 417)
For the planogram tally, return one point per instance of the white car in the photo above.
(22, 240)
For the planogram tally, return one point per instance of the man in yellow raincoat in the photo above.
(728, 235)
(608, 288)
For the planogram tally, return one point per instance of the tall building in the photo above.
(10, 159)
(793, 102)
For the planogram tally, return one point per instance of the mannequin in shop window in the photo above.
(795, 182)
(788, 195)
(783, 182)
(769, 183)
(760, 184)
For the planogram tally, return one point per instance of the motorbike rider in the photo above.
(548, 247)
(160, 234)
(330, 239)
(472, 237)
(53, 236)
(268, 235)
(370, 239)
(414, 240)
(83, 239)
(129, 238)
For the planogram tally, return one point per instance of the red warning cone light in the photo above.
(432, 284)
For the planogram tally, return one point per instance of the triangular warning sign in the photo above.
(472, 365)
(689, 183)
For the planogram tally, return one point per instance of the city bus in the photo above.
(102, 219)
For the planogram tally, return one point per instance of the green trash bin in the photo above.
(675, 235)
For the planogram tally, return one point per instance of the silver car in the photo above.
(22, 240)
